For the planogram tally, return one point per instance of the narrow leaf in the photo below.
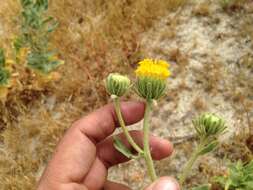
(202, 187)
(122, 148)
(2, 58)
(209, 148)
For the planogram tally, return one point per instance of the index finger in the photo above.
(102, 123)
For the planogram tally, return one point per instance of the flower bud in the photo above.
(117, 84)
(209, 125)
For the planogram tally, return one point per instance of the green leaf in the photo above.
(43, 62)
(209, 148)
(2, 58)
(202, 187)
(228, 183)
(122, 148)
(48, 19)
(4, 76)
(41, 4)
(26, 3)
(220, 180)
(248, 185)
(240, 177)
(18, 44)
(31, 18)
(35, 33)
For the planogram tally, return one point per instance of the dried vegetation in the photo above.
(94, 38)
(98, 37)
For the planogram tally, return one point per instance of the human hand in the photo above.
(86, 151)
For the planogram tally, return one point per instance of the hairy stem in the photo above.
(147, 154)
(116, 102)
(190, 163)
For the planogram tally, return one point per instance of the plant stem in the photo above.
(189, 164)
(116, 102)
(147, 154)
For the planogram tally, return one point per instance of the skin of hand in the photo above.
(84, 154)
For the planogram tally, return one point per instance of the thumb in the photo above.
(164, 183)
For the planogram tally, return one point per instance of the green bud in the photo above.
(209, 125)
(117, 84)
(150, 88)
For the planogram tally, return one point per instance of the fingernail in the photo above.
(166, 183)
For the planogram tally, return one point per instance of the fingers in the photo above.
(97, 175)
(160, 148)
(101, 123)
(115, 186)
(108, 156)
(76, 152)
(164, 183)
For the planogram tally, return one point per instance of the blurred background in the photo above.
(209, 44)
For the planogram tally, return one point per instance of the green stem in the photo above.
(190, 163)
(116, 102)
(147, 154)
(187, 168)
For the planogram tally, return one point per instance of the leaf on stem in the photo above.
(209, 148)
(119, 145)
(202, 187)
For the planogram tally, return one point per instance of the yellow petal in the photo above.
(158, 69)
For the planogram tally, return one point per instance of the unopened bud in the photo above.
(117, 84)
(209, 125)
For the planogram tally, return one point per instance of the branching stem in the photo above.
(146, 128)
(190, 163)
(116, 102)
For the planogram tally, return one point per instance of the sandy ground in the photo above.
(208, 48)
(211, 60)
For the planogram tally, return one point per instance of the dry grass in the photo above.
(233, 5)
(202, 9)
(210, 76)
(94, 38)
(199, 104)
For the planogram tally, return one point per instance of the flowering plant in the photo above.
(151, 84)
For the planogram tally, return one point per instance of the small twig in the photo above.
(248, 119)
(181, 139)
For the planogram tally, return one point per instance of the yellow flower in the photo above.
(157, 69)
(151, 78)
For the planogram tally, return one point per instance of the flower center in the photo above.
(157, 69)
